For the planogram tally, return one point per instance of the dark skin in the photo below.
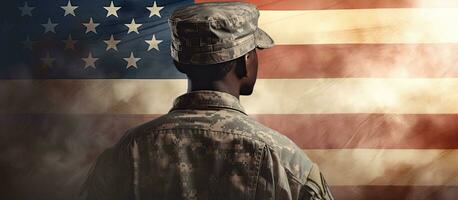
(240, 80)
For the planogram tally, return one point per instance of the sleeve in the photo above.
(109, 178)
(316, 187)
(99, 180)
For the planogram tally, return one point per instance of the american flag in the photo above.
(366, 88)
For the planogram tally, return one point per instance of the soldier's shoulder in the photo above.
(292, 157)
(316, 185)
(271, 136)
(134, 132)
(161, 122)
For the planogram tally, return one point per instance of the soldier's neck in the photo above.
(221, 86)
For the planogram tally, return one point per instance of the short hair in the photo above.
(211, 72)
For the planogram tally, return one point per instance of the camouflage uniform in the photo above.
(206, 147)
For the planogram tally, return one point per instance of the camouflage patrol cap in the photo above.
(210, 33)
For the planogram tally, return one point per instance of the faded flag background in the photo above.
(367, 88)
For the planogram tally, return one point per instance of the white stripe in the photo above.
(397, 25)
(271, 96)
(388, 166)
(354, 95)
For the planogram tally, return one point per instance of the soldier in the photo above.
(206, 147)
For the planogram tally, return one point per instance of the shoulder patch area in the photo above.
(316, 185)
(292, 157)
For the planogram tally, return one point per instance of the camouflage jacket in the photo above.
(206, 147)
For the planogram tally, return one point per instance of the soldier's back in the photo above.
(206, 147)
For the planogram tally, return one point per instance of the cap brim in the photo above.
(262, 39)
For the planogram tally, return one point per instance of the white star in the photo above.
(90, 26)
(112, 10)
(154, 10)
(111, 44)
(28, 43)
(89, 61)
(26, 10)
(69, 9)
(70, 43)
(49, 26)
(48, 60)
(153, 43)
(132, 61)
(133, 27)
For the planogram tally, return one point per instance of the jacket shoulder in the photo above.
(297, 163)
(293, 158)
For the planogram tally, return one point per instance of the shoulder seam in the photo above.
(294, 177)
(158, 131)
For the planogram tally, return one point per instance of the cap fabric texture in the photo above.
(210, 33)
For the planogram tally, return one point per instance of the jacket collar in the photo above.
(207, 99)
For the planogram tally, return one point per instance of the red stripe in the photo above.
(337, 131)
(341, 4)
(395, 192)
(359, 60)
(320, 131)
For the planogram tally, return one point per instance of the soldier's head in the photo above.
(217, 42)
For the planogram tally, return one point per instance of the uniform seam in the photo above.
(313, 185)
(259, 159)
(316, 185)
(161, 131)
(289, 171)
(243, 134)
(293, 177)
(214, 107)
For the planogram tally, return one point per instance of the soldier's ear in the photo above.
(241, 67)
(250, 62)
